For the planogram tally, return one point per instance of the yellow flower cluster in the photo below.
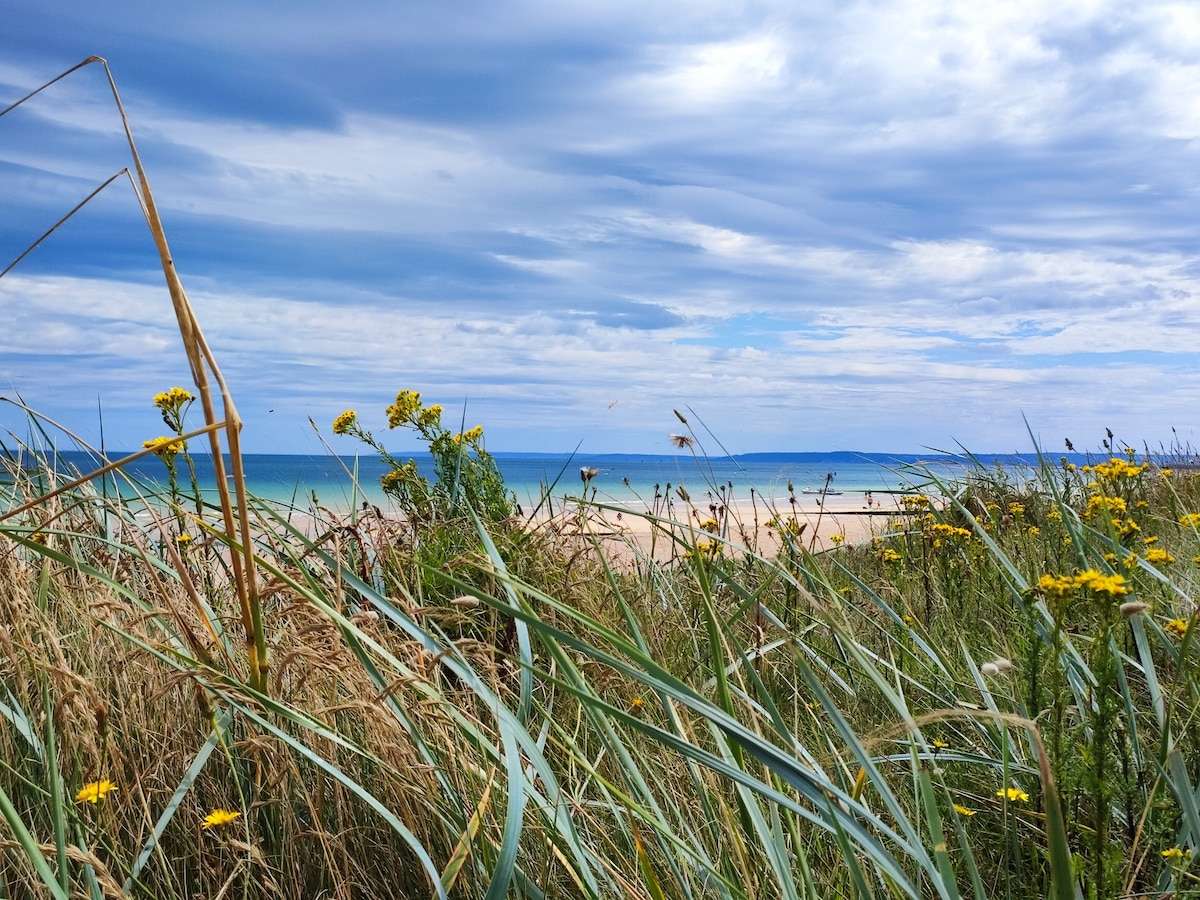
(1126, 527)
(940, 529)
(402, 411)
(398, 477)
(709, 525)
(1114, 506)
(1158, 555)
(1192, 519)
(430, 416)
(1098, 583)
(469, 437)
(1129, 561)
(1056, 586)
(166, 447)
(173, 399)
(1177, 627)
(1117, 468)
(891, 556)
(1175, 853)
(787, 527)
(345, 422)
(704, 550)
(914, 502)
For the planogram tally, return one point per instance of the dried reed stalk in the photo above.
(234, 510)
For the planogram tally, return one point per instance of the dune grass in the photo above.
(997, 697)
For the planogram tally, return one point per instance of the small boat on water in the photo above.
(824, 492)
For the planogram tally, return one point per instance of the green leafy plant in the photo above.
(466, 475)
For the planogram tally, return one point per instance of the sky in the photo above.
(809, 226)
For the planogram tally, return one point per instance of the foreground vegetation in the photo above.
(995, 697)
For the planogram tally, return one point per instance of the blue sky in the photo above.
(868, 225)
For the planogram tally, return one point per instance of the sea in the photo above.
(633, 480)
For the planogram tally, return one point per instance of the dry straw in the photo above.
(205, 372)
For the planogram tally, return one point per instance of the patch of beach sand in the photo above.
(628, 534)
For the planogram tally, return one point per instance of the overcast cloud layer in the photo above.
(875, 225)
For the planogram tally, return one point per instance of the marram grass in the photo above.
(997, 697)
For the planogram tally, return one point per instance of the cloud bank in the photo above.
(877, 226)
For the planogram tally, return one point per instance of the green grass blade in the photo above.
(30, 847)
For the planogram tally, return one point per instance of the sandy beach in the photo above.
(627, 532)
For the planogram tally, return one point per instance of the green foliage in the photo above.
(467, 477)
(992, 697)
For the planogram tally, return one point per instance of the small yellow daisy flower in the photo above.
(95, 791)
(219, 817)
(1013, 794)
(963, 811)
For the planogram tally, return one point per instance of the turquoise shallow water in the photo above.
(620, 478)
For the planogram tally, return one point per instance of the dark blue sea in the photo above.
(619, 478)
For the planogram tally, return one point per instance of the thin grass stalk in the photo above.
(242, 559)
(236, 518)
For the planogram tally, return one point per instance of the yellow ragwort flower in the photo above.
(1192, 519)
(890, 555)
(1117, 468)
(430, 416)
(173, 399)
(219, 817)
(1158, 555)
(1114, 506)
(1013, 794)
(1174, 853)
(95, 791)
(166, 447)
(1056, 586)
(1097, 583)
(346, 421)
(939, 529)
(407, 404)
(1177, 627)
